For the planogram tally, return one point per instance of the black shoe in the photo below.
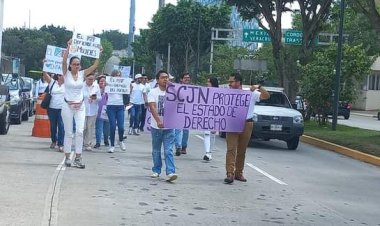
(97, 145)
(106, 144)
(178, 151)
(229, 179)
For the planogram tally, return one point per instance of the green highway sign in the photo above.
(293, 37)
(255, 35)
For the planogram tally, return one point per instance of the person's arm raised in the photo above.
(93, 67)
(47, 77)
(65, 56)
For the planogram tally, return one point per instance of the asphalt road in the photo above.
(360, 121)
(308, 186)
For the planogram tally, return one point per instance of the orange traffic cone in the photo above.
(41, 126)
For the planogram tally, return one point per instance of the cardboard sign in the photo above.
(54, 58)
(85, 45)
(118, 85)
(205, 108)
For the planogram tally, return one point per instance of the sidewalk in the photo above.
(372, 113)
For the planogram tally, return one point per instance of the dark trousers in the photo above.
(142, 119)
(56, 123)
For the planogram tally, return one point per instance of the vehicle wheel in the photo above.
(293, 143)
(4, 122)
(25, 116)
(347, 116)
(18, 119)
(30, 110)
(378, 116)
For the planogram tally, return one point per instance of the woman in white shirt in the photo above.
(56, 89)
(41, 86)
(73, 108)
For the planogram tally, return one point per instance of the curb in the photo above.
(365, 115)
(342, 150)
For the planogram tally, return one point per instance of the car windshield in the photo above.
(276, 99)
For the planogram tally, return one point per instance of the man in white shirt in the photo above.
(91, 96)
(137, 99)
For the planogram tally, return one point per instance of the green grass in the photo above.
(367, 141)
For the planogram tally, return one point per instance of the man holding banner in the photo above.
(237, 142)
(161, 136)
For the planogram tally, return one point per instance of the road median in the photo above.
(342, 150)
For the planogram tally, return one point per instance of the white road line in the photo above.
(62, 166)
(200, 137)
(266, 174)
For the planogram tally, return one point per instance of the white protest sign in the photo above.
(118, 85)
(53, 59)
(85, 45)
(124, 70)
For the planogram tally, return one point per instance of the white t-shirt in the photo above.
(157, 96)
(91, 107)
(254, 98)
(57, 94)
(137, 93)
(40, 87)
(74, 89)
(115, 99)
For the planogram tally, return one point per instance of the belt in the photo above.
(249, 120)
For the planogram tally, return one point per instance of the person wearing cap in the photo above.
(137, 99)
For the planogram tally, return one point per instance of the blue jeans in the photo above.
(185, 138)
(116, 115)
(178, 138)
(102, 127)
(163, 137)
(56, 123)
(135, 116)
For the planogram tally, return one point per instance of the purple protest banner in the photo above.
(205, 108)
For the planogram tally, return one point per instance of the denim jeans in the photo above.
(135, 116)
(142, 118)
(102, 127)
(56, 123)
(165, 138)
(185, 138)
(178, 138)
(116, 115)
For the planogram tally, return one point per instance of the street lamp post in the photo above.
(1, 26)
(338, 67)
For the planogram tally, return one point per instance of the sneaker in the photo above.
(60, 148)
(111, 150)
(178, 151)
(67, 162)
(78, 163)
(106, 144)
(97, 145)
(136, 132)
(52, 145)
(155, 175)
(88, 148)
(122, 146)
(207, 157)
(130, 131)
(183, 151)
(171, 177)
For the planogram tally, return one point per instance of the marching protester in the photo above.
(73, 108)
(115, 111)
(209, 136)
(57, 90)
(137, 99)
(147, 88)
(237, 142)
(102, 126)
(160, 135)
(41, 85)
(182, 135)
(91, 97)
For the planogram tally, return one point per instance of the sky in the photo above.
(84, 16)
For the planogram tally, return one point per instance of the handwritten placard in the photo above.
(118, 85)
(85, 45)
(124, 70)
(205, 108)
(53, 59)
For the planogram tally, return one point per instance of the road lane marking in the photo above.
(266, 174)
(200, 137)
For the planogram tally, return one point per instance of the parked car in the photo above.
(29, 89)
(19, 101)
(275, 118)
(344, 109)
(378, 115)
(4, 109)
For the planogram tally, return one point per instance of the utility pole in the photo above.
(168, 67)
(159, 63)
(1, 28)
(338, 67)
(198, 48)
(131, 34)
